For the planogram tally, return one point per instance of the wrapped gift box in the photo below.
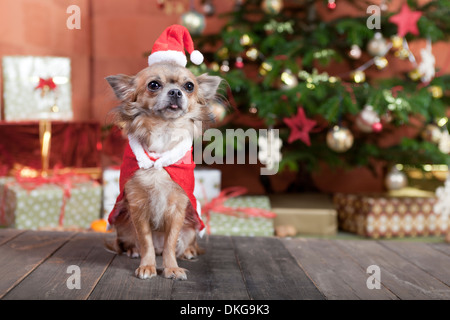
(207, 183)
(390, 215)
(31, 205)
(37, 88)
(111, 189)
(242, 224)
(312, 214)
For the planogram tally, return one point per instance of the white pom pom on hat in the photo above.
(171, 44)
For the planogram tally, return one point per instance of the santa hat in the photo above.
(171, 44)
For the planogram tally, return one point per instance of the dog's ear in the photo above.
(208, 86)
(123, 86)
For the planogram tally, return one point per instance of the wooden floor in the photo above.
(36, 265)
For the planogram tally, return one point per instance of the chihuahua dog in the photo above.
(161, 109)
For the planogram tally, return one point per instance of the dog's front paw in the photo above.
(145, 272)
(175, 273)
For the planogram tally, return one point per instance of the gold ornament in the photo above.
(414, 75)
(288, 80)
(214, 66)
(252, 54)
(339, 139)
(380, 62)
(395, 179)
(223, 53)
(272, 6)
(378, 46)
(436, 91)
(397, 42)
(402, 53)
(358, 76)
(265, 68)
(432, 133)
(245, 40)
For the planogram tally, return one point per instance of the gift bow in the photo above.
(217, 205)
(46, 82)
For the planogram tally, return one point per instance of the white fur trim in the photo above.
(143, 161)
(196, 57)
(169, 55)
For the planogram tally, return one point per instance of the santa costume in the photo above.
(169, 46)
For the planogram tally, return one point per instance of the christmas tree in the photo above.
(290, 67)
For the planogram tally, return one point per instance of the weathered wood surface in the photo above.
(36, 265)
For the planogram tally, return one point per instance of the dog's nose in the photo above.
(175, 93)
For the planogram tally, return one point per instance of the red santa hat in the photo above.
(171, 44)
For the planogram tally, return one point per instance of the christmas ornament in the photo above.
(331, 4)
(339, 139)
(432, 133)
(444, 143)
(300, 127)
(402, 53)
(208, 8)
(368, 120)
(442, 204)
(378, 46)
(252, 54)
(397, 42)
(358, 76)
(269, 151)
(426, 67)
(355, 52)
(214, 66)
(225, 67)
(406, 21)
(218, 110)
(265, 68)
(395, 179)
(380, 62)
(288, 80)
(436, 92)
(194, 22)
(223, 53)
(414, 75)
(245, 40)
(239, 63)
(272, 6)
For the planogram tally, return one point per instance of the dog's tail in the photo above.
(113, 246)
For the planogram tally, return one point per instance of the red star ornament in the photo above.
(300, 127)
(406, 21)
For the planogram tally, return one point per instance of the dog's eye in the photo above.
(154, 86)
(189, 86)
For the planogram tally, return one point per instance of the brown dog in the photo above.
(161, 109)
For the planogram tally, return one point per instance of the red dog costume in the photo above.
(168, 47)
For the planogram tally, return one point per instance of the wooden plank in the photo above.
(119, 282)
(20, 256)
(423, 256)
(270, 272)
(49, 281)
(398, 275)
(214, 275)
(441, 247)
(8, 234)
(334, 273)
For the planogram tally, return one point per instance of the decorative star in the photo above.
(300, 127)
(406, 21)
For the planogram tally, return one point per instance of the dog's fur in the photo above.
(162, 117)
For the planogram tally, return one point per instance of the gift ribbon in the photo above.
(64, 180)
(46, 83)
(217, 205)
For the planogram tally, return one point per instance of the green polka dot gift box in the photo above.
(32, 205)
(238, 223)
